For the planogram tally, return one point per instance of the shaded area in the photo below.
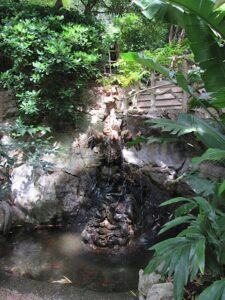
(42, 290)
(48, 256)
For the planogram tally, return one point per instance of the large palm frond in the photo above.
(198, 18)
(210, 136)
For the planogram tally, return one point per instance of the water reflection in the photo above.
(48, 256)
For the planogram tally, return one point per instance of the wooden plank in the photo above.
(168, 103)
(169, 108)
(163, 82)
(169, 96)
(165, 97)
(146, 98)
(144, 104)
(153, 80)
(163, 90)
(145, 93)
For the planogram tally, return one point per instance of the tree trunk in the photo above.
(58, 4)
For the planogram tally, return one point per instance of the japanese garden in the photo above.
(112, 149)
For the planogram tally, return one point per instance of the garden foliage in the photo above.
(133, 33)
(50, 57)
(199, 247)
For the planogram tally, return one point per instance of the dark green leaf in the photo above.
(210, 154)
(181, 273)
(175, 200)
(221, 188)
(177, 221)
(185, 209)
(200, 254)
(200, 185)
(214, 291)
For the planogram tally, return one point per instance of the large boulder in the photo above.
(160, 155)
(44, 198)
(160, 162)
(34, 193)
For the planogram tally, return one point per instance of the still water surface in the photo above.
(50, 255)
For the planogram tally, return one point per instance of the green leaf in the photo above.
(204, 9)
(182, 82)
(200, 185)
(152, 9)
(188, 123)
(214, 291)
(67, 4)
(147, 62)
(175, 200)
(219, 3)
(181, 273)
(218, 98)
(172, 127)
(136, 141)
(200, 254)
(221, 189)
(206, 208)
(168, 244)
(197, 18)
(185, 209)
(210, 154)
(161, 140)
(177, 221)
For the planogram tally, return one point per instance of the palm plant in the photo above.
(203, 23)
(197, 248)
(200, 246)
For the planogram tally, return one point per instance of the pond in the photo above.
(55, 256)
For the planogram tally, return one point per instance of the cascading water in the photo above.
(121, 202)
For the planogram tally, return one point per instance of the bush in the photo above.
(137, 33)
(131, 72)
(52, 54)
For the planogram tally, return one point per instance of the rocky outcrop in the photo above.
(107, 191)
(161, 162)
(34, 192)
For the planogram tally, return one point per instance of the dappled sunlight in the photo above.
(69, 244)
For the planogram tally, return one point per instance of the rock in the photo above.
(45, 197)
(115, 90)
(34, 192)
(8, 106)
(161, 291)
(2, 220)
(146, 282)
(159, 155)
(7, 221)
(162, 176)
(211, 170)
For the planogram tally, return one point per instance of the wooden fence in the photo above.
(162, 95)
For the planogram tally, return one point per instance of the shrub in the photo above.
(137, 33)
(52, 55)
(131, 72)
